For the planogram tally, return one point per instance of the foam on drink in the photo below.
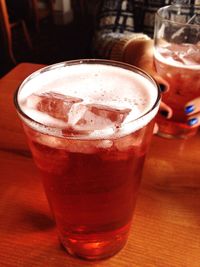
(88, 91)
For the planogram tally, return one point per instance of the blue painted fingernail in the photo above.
(192, 121)
(189, 109)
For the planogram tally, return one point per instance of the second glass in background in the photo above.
(177, 60)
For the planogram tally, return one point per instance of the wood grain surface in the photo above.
(166, 226)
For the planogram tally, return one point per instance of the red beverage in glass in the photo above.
(179, 65)
(89, 140)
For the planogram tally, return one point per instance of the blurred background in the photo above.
(44, 31)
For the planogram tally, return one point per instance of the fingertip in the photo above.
(156, 128)
(193, 122)
(165, 110)
(189, 109)
(163, 87)
(164, 113)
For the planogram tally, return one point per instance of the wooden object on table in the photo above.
(7, 26)
(166, 224)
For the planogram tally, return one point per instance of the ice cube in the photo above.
(186, 54)
(92, 117)
(54, 104)
(115, 115)
(77, 112)
(191, 55)
(62, 145)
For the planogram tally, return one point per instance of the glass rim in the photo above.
(175, 6)
(52, 129)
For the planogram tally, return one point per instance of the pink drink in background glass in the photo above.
(179, 65)
(177, 60)
(89, 124)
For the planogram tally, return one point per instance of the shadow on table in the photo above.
(36, 220)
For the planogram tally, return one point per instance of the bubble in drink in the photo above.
(92, 166)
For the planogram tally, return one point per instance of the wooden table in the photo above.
(166, 226)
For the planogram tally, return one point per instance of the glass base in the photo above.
(94, 247)
(172, 129)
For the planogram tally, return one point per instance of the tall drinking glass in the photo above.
(177, 60)
(89, 124)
